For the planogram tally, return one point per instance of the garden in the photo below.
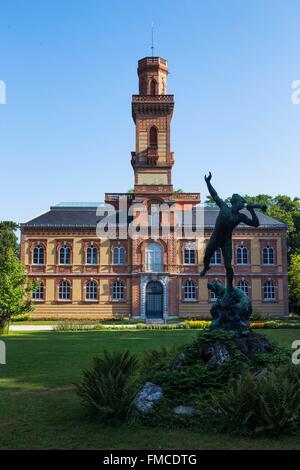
(40, 407)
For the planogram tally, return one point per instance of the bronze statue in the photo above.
(228, 218)
(233, 308)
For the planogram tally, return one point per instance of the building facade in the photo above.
(148, 272)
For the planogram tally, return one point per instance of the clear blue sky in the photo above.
(66, 131)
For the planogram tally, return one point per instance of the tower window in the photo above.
(153, 86)
(153, 136)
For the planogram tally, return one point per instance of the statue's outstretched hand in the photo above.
(208, 178)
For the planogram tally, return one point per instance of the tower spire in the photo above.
(152, 38)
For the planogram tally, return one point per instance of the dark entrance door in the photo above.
(154, 300)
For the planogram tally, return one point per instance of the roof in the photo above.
(85, 215)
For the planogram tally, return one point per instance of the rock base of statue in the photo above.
(231, 310)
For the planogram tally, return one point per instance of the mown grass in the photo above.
(40, 410)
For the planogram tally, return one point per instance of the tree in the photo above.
(8, 238)
(282, 208)
(14, 288)
(294, 281)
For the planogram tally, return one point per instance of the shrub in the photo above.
(198, 324)
(77, 326)
(20, 318)
(143, 326)
(256, 315)
(110, 386)
(270, 406)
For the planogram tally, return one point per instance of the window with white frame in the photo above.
(39, 293)
(64, 290)
(91, 290)
(38, 256)
(189, 254)
(65, 254)
(118, 291)
(118, 255)
(189, 291)
(216, 257)
(269, 291)
(242, 255)
(91, 255)
(268, 255)
(154, 257)
(244, 286)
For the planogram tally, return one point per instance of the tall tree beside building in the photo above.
(14, 284)
(294, 281)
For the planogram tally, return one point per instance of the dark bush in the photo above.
(110, 386)
(269, 407)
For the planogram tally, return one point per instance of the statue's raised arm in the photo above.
(213, 192)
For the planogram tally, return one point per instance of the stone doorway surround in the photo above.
(164, 280)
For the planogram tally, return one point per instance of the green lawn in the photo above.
(39, 409)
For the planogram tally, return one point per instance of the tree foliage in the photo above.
(14, 284)
(282, 208)
(8, 238)
(14, 288)
(294, 280)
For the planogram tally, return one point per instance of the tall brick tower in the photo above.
(152, 111)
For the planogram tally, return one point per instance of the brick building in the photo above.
(147, 276)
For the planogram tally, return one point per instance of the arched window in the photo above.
(153, 136)
(65, 255)
(241, 255)
(189, 291)
(64, 290)
(189, 254)
(119, 255)
(154, 257)
(268, 255)
(118, 291)
(39, 293)
(243, 285)
(91, 255)
(269, 291)
(153, 87)
(38, 255)
(154, 216)
(216, 257)
(91, 290)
